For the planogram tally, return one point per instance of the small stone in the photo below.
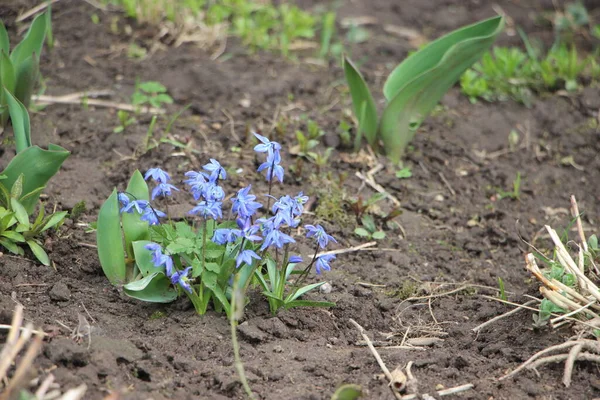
(245, 103)
(439, 197)
(60, 292)
(277, 349)
(325, 288)
(217, 126)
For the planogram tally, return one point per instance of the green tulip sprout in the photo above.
(416, 85)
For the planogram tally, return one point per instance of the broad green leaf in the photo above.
(273, 274)
(54, 220)
(10, 246)
(308, 303)
(38, 166)
(212, 267)
(39, 252)
(303, 290)
(362, 232)
(209, 279)
(417, 84)
(17, 188)
(33, 41)
(182, 245)
(14, 236)
(35, 193)
(26, 74)
(222, 298)
(143, 258)
(347, 392)
(378, 235)
(8, 80)
(110, 241)
(4, 41)
(362, 101)
(20, 122)
(20, 212)
(155, 288)
(134, 228)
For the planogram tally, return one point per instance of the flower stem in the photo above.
(304, 274)
(203, 243)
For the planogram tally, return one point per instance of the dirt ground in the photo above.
(458, 235)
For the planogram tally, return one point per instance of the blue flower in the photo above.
(159, 259)
(196, 179)
(216, 170)
(207, 209)
(295, 259)
(163, 189)
(284, 211)
(223, 236)
(244, 204)
(123, 199)
(158, 175)
(299, 201)
(212, 192)
(248, 230)
(272, 166)
(246, 256)
(135, 205)
(322, 263)
(276, 238)
(319, 234)
(152, 215)
(181, 278)
(266, 145)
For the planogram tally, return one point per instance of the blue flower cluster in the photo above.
(273, 231)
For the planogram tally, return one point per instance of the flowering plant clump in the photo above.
(162, 259)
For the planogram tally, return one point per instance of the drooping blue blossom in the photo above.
(159, 259)
(135, 205)
(272, 166)
(295, 259)
(246, 256)
(216, 170)
(248, 230)
(158, 175)
(195, 179)
(266, 145)
(123, 199)
(244, 204)
(163, 189)
(224, 235)
(283, 209)
(319, 234)
(152, 215)
(275, 237)
(208, 209)
(212, 192)
(322, 263)
(181, 278)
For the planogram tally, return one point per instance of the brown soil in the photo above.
(167, 351)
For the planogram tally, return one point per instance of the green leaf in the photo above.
(17, 188)
(14, 236)
(378, 235)
(134, 228)
(110, 242)
(154, 288)
(37, 166)
(212, 267)
(33, 41)
(181, 245)
(347, 392)
(20, 212)
(10, 246)
(26, 74)
(362, 101)
(304, 289)
(369, 223)
(20, 121)
(152, 87)
(417, 84)
(404, 173)
(209, 279)
(362, 232)
(39, 252)
(4, 41)
(222, 298)
(54, 220)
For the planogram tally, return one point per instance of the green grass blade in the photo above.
(133, 227)
(37, 166)
(362, 102)
(110, 241)
(20, 122)
(143, 258)
(54, 220)
(415, 89)
(33, 41)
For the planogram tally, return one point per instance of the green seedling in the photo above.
(404, 173)
(327, 33)
(320, 159)
(515, 194)
(150, 93)
(369, 230)
(547, 308)
(501, 288)
(19, 69)
(416, 85)
(125, 120)
(22, 182)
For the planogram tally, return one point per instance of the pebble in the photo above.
(325, 288)
(60, 292)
